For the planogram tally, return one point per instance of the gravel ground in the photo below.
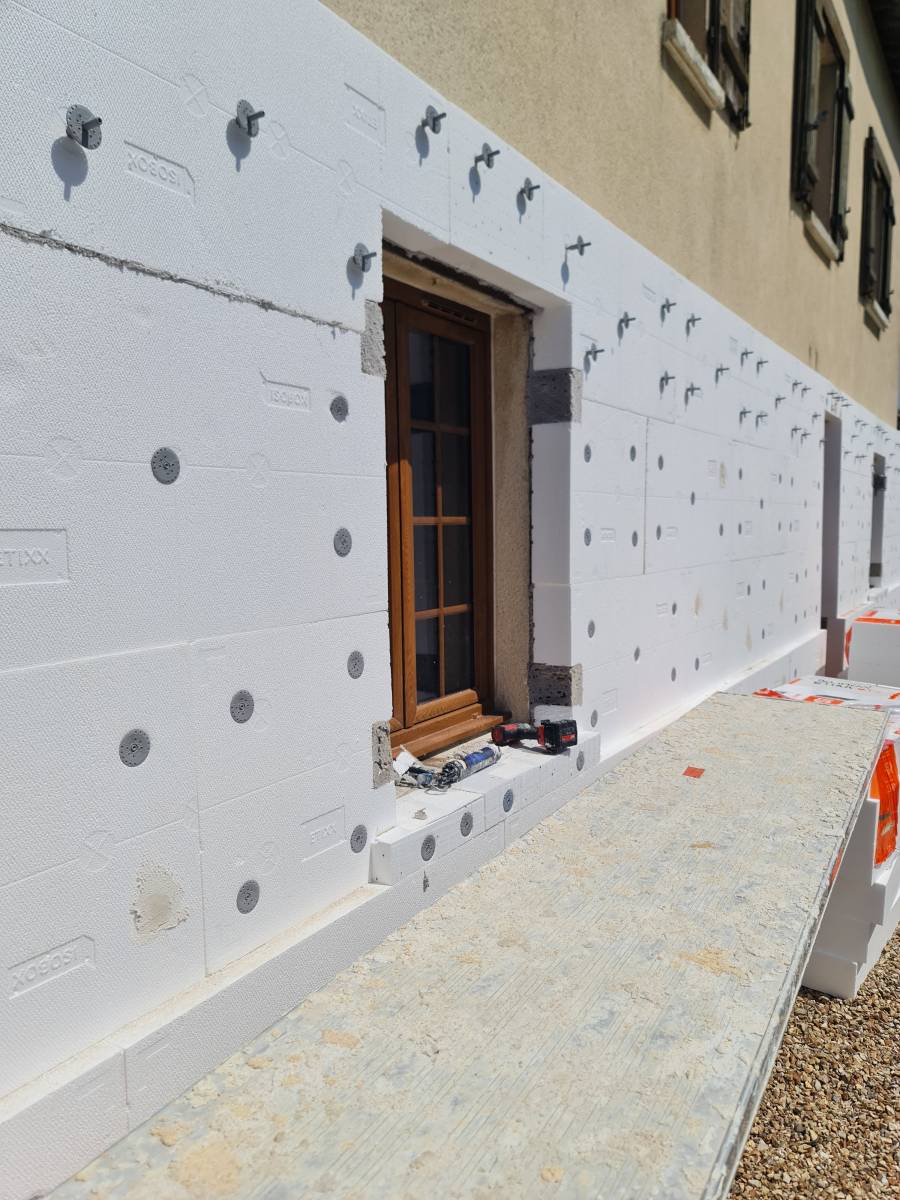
(829, 1122)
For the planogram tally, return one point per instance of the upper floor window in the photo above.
(720, 33)
(877, 227)
(823, 110)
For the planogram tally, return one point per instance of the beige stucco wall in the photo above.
(582, 87)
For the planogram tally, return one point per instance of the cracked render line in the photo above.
(48, 239)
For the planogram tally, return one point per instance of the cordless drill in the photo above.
(553, 736)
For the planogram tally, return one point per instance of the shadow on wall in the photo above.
(70, 164)
(238, 143)
(701, 111)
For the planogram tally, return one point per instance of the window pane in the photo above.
(455, 475)
(425, 566)
(427, 677)
(457, 565)
(826, 147)
(692, 14)
(423, 473)
(452, 381)
(459, 671)
(421, 389)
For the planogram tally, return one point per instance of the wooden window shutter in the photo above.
(730, 55)
(878, 221)
(740, 43)
(843, 117)
(714, 36)
(735, 20)
(806, 73)
(868, 276)
(889, 222)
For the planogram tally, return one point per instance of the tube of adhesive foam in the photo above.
(460, 766)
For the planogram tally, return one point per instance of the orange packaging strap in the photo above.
(886, 790)
(836, 867)
(770, 694)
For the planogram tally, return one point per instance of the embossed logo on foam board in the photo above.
(286, 395)
(322, 833)
(50, 964)
(33, 556)
(364, 115)
(153, 168)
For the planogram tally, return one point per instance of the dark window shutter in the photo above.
(737, 23)
(889, 222)
(806, 71)
(868, 276)
(714, 37)
(729, 35)
(843, 117)
(740, 13)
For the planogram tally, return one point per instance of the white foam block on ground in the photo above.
(874, 649)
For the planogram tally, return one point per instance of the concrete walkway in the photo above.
(593, 1014)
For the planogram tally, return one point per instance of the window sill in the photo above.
(821, 238)
(431, 737)
(690, 62)
(877, 314)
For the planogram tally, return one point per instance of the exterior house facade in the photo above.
(372, 373)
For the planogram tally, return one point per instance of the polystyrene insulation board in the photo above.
(293, 838)
(95, 942)
(118, 583)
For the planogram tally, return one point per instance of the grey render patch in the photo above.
(554, 395)
(550, 684)
(158, 902)
(372, 344)
(382, 759)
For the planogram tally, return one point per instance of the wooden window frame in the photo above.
(816, 23)
(875, 278)
(722, 54)
(424, 727)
